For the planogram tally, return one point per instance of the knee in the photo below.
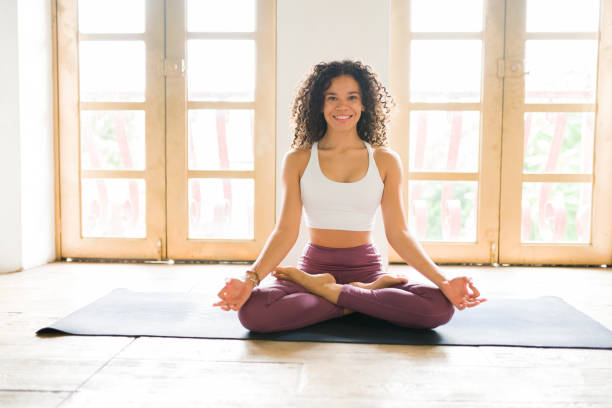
(258, 315)
(252, 315)
(435, 311)
(442, 311)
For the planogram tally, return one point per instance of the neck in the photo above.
(340, 140)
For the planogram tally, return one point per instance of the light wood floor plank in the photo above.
(29, 399)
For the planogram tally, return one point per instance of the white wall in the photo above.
(36, 131)
(312, 31)
(26, 126)
(10, 173)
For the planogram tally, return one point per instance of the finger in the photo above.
(222, 305)
(222, 291)
(474, 303)
(475, 291)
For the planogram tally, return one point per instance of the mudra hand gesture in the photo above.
(461, 292)
(234, 294)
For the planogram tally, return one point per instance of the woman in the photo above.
(339, 171)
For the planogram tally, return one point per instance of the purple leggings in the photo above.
(282, 305)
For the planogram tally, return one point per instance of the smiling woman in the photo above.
(374, 99)
(339, 173)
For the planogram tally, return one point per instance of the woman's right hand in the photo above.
(234, 294)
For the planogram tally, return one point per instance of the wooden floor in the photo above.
(73, 371)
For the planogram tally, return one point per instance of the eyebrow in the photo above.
(334, 93)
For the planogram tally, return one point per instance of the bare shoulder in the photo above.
(296, 160)
(386, 154)
(387, 160)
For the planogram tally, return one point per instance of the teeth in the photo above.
(342, 117)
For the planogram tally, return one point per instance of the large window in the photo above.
(500, 128)
(166, 128)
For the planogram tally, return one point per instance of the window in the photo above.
(166, 121)
(502, 127)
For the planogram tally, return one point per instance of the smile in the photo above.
(342, 117)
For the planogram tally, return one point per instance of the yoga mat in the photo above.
(541, 322)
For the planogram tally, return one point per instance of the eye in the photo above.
(331, 98)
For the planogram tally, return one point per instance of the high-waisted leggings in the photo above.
(283, 305)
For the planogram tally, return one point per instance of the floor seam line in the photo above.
(96, 372)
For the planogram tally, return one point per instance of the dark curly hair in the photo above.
(307, 110)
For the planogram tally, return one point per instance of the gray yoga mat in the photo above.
(541, 322)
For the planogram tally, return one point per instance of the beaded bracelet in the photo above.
(248, 276)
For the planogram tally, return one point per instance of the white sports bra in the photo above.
(334, 205)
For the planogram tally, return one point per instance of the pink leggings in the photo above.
(282, 305)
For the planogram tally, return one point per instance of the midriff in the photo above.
(339, 238)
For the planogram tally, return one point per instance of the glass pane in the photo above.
(560, 71)
(562, 15)
(221, 16)
(221, 70)
(556, 212)
(445, 70)
(112, 71)
(558, 142)
(441, 15)
(220, 139)
(113, 208)
(443, 210)
(444, 141)
(113, 140)
(221, 208)
(111, 16)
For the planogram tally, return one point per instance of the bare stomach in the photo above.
(339, 238)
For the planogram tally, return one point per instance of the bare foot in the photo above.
(383, 282)
(302, 278)
(323, 285)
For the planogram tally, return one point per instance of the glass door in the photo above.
(166, 124)
(112, 128)
(556, 203)
(444, 76)
(220, 116)
(502, 128)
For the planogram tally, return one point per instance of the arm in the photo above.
(459, 291)
(287, 229)
(237, 291)
(396, 227)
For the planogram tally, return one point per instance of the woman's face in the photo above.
(342, 104)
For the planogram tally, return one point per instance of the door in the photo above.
(505, 154)
(556, 203)
(111, 124)
(444, 76)
(220, 117)
(166, 128)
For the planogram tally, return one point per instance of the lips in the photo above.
(342, 118)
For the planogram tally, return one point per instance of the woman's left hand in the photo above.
(461, 292)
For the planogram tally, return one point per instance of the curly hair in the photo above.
(307, 110)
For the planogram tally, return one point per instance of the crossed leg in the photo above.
(285, 305)
(387, 298)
